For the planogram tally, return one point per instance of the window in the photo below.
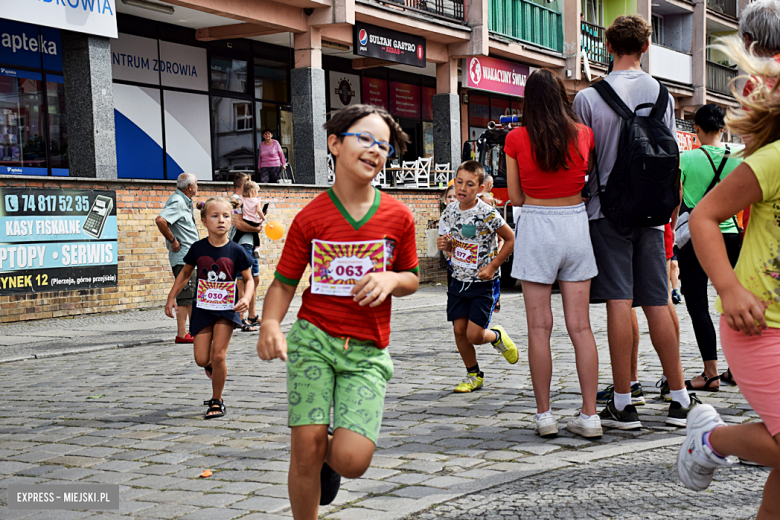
(658, 29)
(271, 80)
(232, 149)
(22, 140)
(242, 116)
(593, 11)
(229, 74)
(58, 128)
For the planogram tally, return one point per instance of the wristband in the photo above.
(172, 241)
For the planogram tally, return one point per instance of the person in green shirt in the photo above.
(698, 170)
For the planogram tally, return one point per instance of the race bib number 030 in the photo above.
(216, 296)
(465, 254)
(337, 266)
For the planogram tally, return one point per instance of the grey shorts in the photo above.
(632, 264)
(553, 243)
(187, 295)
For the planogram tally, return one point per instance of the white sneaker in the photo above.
(546, 424)
(696, 462)
(588, 428)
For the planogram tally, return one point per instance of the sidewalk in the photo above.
(133, 416)
(91, 333)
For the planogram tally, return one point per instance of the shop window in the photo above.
(22, 141)
(58, 128)
(271, 80)
(229, 74)
(242, 116)
(233, 150)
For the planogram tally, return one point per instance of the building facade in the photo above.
(103, 104)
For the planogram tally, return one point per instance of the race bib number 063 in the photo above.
(216, 296)
(337, 266)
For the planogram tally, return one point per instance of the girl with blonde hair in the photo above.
(748, 295)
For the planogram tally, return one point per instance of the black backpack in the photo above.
(644, 186)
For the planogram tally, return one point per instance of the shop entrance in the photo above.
(414, 130)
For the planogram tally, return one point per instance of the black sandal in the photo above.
(246, 326)
(255, 322)
(217, 406)
(727, 378)
(707, 384)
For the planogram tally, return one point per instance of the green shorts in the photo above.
(321, 372)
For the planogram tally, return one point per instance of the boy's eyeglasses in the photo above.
(367, 140)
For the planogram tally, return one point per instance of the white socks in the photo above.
(634, 383)
(539, 415)
(587, 417)
(681, 396)
(621, 401)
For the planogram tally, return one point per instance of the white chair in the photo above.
(441, 173)
(407, 174)
(331, 172)
(423, 174)
(380, 179)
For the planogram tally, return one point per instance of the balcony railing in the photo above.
(593, 43)
(446, 9)
(671, 64)
(527, 22)
(728, 7)
(719, 77)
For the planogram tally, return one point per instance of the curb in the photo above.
(536, 465)
(85, 350)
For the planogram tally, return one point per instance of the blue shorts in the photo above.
(255, 262)
(473, 300)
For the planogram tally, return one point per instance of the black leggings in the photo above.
(693, 282)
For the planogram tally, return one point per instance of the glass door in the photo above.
(286, 133)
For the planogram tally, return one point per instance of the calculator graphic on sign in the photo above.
(97, 216)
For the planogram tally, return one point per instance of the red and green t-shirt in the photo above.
(389, 223)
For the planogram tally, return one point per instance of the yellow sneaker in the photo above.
(470, 383)
(505, 345)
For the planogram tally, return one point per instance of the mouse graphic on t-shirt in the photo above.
(219, 270)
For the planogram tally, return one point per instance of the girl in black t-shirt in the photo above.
(215, 310)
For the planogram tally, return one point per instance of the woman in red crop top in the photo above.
(547, 160)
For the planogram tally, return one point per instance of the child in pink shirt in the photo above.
(251, 214)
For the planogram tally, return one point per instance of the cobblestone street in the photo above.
(133, 416)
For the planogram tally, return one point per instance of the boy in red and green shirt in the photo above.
(361, 246)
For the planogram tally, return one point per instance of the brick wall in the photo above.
(144, 274)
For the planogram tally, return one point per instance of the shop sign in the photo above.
(183, 66)
(495, 75)
(427, 103)
(344, 90)
(385, 44)
(30, 46)
(405, 100)
(57, 240)
(479, 111)
(96, 17)
(687, 141)
(375, 92)
(498, 108)
(134, 58)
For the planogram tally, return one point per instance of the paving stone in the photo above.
(262, 504)
(212, 513)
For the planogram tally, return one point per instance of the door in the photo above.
(286, 134)
(414, 130)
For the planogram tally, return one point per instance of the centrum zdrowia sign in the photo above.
(96, 17)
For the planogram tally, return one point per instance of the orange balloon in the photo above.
(274, 230)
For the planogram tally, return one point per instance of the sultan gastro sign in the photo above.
(376, 42)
